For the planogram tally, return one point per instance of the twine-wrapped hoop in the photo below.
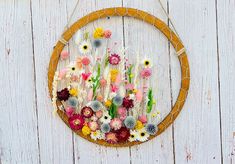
(148, 18)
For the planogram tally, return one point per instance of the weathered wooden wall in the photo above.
(204, 133)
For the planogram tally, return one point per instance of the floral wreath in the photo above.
(108, 100)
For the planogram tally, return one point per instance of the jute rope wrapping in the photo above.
(148, 18)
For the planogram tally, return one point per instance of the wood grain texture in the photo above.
(49, 19)
(196, 133)
(226, 51)
(197, 130)
(18, 121)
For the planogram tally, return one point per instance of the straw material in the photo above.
(141, 15)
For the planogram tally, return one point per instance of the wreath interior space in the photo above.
(103, 96)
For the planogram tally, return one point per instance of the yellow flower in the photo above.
(98, 33)
(73, 92)
(135, 90)
(86, 130)
(113, 74)
(139, 125)
(108, 103)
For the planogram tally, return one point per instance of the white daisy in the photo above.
(72, 70)
(85, 47)
(106, 118)
(147, 63)
(133, 136)
(97, 135)
(142, 135)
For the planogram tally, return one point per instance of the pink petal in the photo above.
(90, 95)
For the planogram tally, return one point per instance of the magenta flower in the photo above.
(114, 59)
(76, 122)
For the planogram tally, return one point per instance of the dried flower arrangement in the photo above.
(117, 110)
(109, 99)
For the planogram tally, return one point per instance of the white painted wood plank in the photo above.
(226, 41)
(49, 19)
(86, 152)
(18, 121)
(146, 39)
(197, 130)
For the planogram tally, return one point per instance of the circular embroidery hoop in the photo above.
(148, 18)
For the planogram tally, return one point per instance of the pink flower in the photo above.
(64, 55)
(122, 113)
(99, 113)
(103, 82)
(114, 59)
(76, 122)
(129, 86)
(143, 119)
(86, 61)
(69, 111)
(85, 76)
(114, 88)
(116, 123)
(86, 112)
(111, 137)
(107, 34)
(139, 96)
(62, 74)
(146, 72)
(93, 125)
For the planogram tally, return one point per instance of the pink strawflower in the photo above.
(111, 137)
(114, 59)
(93, 125)
(85, 61)
(76, 122)
(146, 72)
(107, 34)
(122, 112)
(143, 119)
(85, 76)
(116, 123)
(64, 55)
(69, 111)
(87, 112)
(99, 113)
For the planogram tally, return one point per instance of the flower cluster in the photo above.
(106, 97)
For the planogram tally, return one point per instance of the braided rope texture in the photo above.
(148, 18)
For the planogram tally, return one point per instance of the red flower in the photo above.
(87, 112)
(76, 122)
(63, 94)
(111, 137)
(123, 134)
(85, 76)
(127, 103)
(114, 59)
